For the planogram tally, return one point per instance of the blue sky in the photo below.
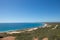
(29, 10)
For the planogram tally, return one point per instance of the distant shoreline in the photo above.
(45, 24)
(42, 24)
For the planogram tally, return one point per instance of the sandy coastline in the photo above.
(20, 31)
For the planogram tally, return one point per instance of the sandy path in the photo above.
(8, 38)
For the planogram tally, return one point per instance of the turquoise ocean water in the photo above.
(18, 26)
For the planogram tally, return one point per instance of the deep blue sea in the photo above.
(18, 26)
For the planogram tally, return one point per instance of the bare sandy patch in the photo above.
(8, 38)
(45, 39)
